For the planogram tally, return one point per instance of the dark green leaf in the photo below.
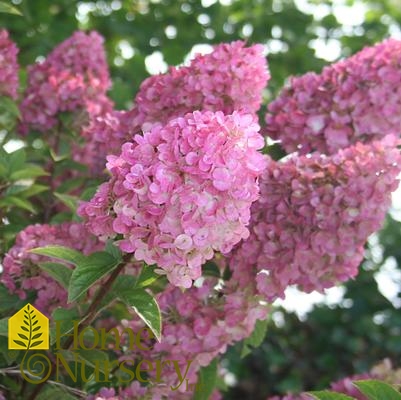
(327, 395)
(146, 307)
(94, 358)
(207, 381)
(4, 327)
(61, 253)
(66, 318)
(377, 390)
(51, 392)
(28, 172)
(256, 339)
(88, 272)
(69, 201)
(17, 202)
(147, 276)
(113, 250)
(58, 272)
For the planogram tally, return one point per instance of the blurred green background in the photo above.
(142, 36)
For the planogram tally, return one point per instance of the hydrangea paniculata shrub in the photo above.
(188, 182)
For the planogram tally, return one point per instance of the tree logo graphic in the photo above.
(28, 329)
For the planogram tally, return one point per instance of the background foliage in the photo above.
(329, 342)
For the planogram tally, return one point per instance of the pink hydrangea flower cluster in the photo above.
(198, 324)
(138, 392)
(104, 135)
(20, 271)
(314, 215)
(8, 66)
(74, 77)
(181, 191)
(231, 78)
(357, 99)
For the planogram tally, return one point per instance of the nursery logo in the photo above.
(28, 329)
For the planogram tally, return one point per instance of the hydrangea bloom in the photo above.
(357, 99)
(8, 66)
(198, 324)
(314, 215)
(21, 273)
(138, 392)
(181, 191)
(74, 77)
(104, 135)
(231, 78)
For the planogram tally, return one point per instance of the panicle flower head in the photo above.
(354, 100)
(181, 191)
(314, 216)
(8, 66)
(198, 325)
(104, 135)
(231, 78)
(74, 77)
(21, 273)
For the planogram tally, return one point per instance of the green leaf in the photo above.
(113, 250)
(147, 276)
(26, 190)
(8, 104)
(70, 184)
(211, 269)
(68, 200)
(9, 9)
(88, 272)
(122, 283)
(28, 172)
(327, 395)
(94, 358)
(146, 307)
(10, 201)
(51, 392)
(8, 302)
(33, 190)
(4, 327)
(207, 381)
(256, 339)
(58, 272)
(377, 390)
(16, 160)
(66, 318)
(61, 253)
